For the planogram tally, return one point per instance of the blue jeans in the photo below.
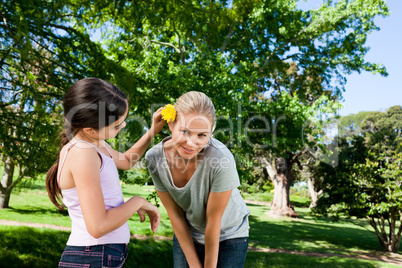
(108, 255)
(232, 253)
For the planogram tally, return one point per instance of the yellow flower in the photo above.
(169, 113)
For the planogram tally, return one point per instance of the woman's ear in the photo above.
(171, 126)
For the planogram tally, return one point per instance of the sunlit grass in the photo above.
(279, 260)
(305, 234)
(38, 247)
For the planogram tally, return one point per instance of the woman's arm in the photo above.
(216, 205)
(128, 159)
(180, 229)
(98, 220)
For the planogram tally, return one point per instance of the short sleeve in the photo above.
(225, 176)
(152, 167)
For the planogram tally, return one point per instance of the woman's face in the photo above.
(190, 134)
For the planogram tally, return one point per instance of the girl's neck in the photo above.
(83, 137)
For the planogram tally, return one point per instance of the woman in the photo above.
(196, 179)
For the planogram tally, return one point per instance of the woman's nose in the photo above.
(190, 142)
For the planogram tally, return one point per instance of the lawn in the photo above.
(39, 247)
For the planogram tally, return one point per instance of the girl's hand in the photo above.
(153, 214)
(157, 122)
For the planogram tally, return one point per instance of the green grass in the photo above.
(28, 247)
(296, 201)
(309, 234)
(262, 260)
(37, 247)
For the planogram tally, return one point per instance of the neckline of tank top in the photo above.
(96, 148)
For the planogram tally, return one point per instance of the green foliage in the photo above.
(351, 124)
(135, 176)
(367, 182)
(157, 50)
(253, 58)
(153, 198)
(42, 55)
(300, 190)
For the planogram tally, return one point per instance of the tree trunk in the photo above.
(281, 178)
(313, 193)
(389, 242)
(6, 181)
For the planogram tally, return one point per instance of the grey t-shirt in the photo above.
(215, 172)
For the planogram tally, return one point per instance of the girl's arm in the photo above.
(216, 205)
(180, 228)
(98, 220)
(128, 159)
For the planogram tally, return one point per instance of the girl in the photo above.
(196, 179)
(85, 176)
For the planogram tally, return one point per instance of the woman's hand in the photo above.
(153, 214)
(157, 122)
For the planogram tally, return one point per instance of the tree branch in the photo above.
(194, 43)
(8, 29)
(374, 225)
(182, 49)
(226, 41)
(398, 236)
(269, 168)
(166, 44)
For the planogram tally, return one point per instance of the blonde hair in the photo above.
(196, 102)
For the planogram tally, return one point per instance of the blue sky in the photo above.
(369, 92)
(372, 92)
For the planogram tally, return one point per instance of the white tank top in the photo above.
(113, 197)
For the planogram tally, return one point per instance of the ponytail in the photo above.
(52, 185)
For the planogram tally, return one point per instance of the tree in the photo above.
(296, 130)
(352, 124)
(42, 54)
(367, 183)
(244, 55)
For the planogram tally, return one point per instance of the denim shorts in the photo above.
(232, 253)
(102, 256)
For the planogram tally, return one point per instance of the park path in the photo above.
(391, 258)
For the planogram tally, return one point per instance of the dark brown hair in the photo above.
(89, 103)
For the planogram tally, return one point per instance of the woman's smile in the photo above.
(187, 150)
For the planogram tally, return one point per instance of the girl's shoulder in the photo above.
(80, 159)
(79, 151)
(78, 146)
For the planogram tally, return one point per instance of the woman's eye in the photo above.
(202, 135)
(184, 131)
